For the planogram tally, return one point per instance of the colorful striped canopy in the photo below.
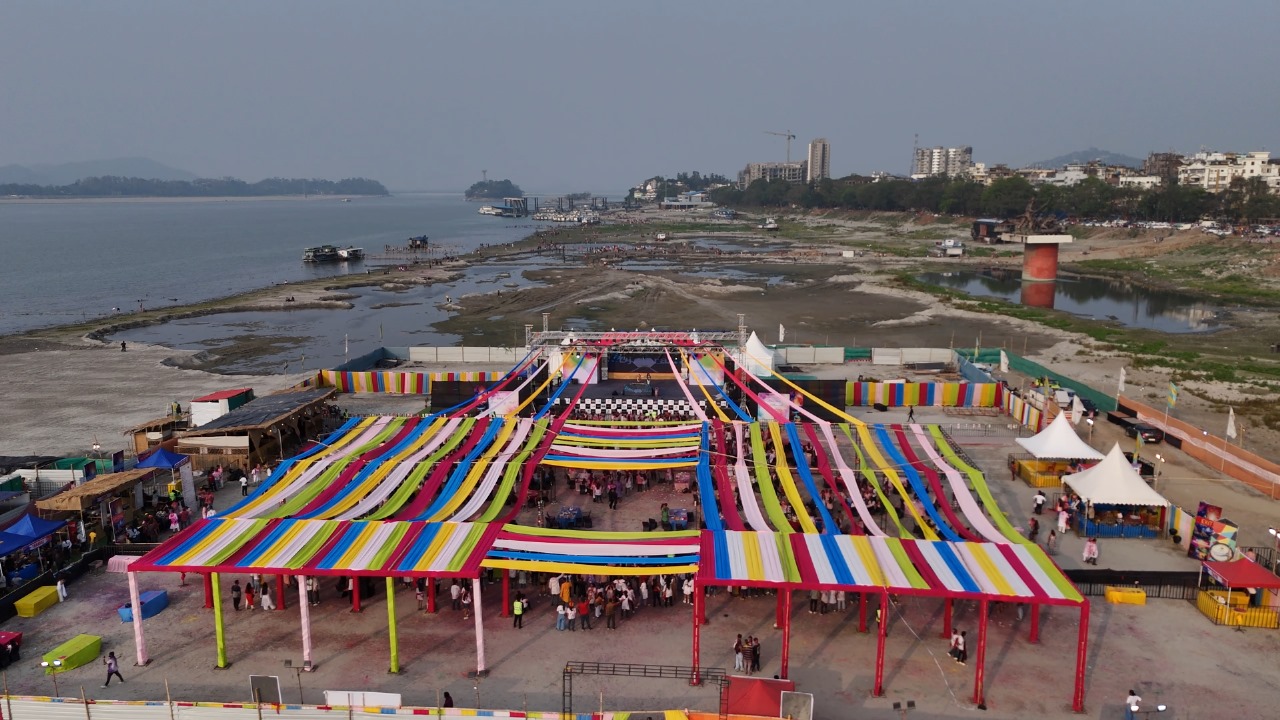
(410, 496)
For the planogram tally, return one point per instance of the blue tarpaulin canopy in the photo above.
(10, 543)
(33, 528)
(162, 458)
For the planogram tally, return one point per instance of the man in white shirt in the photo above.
(554, 585)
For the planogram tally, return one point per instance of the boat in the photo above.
(769, 224)
(498, 210)
(332, 253)
(662, 236)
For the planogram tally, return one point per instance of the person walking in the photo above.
(455, 595)
(1051, 545)
(962, 653)
(584, 614)
(611, 614)
(466, 603)
(1130, 704)
(62, 589)
(1091, 551)
(244, 486)
(313, 590)
(755, 654)
(517, 610)
(265, 594)
(236, 594)
(954, 649)
(560, 615)
(571, 616)
(248, 596)
(911, 414)
(113, 668)
(813, 602)
(448, 700)
(1039, 500)
(1063, 518)
(737, 653)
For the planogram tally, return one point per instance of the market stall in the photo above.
(1240, 593)
(1118, 502)
(1054, 452)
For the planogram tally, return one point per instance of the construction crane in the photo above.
(786, 135)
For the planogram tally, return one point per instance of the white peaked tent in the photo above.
(756, 357)
(1059, 442)
(1114, 482)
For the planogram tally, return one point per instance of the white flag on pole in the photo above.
(1120, 389)
(1004, 362)
(1231, 423)
(1077, 409)
(782, 333)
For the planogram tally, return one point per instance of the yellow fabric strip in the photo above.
(788, 483)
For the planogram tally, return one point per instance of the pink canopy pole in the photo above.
(979, 672)
(697, 634)
(777, 612)
(506, 593)
(208, 591)
(1082, 656)
(304, 613)
(882, 631)
(139, 641)
(475, 605)
(355, 594)
(1035, 623)
(946, 618)
(862, 612)
(786, 632)
(431, 594)
(281, 603)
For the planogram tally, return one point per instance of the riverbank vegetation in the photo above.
(1245, 201)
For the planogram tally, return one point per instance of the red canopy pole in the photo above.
(506, 593)
(431, 594)
(862, 612)
(777, 612)
(697, 633)
(1035, 623)
(946, 617)
(1077, 700)
(979, 698)
(208, 591)
(882, 631)
(786, 632)
(355, 594)
(280, 596)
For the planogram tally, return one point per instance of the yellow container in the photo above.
(37, 601)
(1126, 596)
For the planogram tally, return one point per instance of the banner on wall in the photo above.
(1211, 531)
(777, 401)
(504, 402)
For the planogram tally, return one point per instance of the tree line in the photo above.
(1244, 201)
(112, 186)
(493, 190)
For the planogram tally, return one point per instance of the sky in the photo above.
(562, 95)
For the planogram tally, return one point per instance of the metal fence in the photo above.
(44, 708)
(1158, 584)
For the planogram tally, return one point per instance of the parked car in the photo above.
(1149, 434)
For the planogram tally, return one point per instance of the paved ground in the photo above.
(1166, 647)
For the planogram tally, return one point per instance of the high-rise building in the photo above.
(819, 160)
(954, 161)
(1162, 164)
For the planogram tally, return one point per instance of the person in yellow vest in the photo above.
(517, 610)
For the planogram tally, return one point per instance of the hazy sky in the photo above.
(563, 96)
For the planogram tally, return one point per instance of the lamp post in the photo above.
(1090, 421)
(53, 674)
(1155, 484)
(1275, 551)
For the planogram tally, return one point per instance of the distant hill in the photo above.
(1084, 156)
(68, 173)
(493, 190)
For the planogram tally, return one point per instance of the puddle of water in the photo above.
(1096, 298)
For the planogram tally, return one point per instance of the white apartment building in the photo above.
(1214, 171)
(1142, 182)
(953, 161)
(819, 160)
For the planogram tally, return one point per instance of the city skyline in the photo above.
(569, 96)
